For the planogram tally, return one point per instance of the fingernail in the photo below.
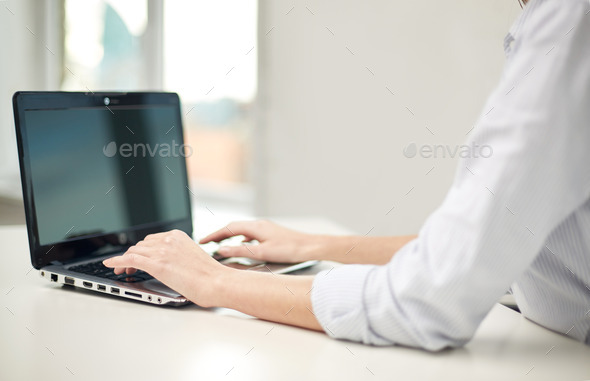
(223, 250)
(106, 262)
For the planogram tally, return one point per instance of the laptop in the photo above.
(99, 172)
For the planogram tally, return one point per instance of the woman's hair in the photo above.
(522, 3)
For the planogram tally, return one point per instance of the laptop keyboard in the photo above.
(99, 270)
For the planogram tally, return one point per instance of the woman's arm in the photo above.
(281, 298)
(279, 244)
(359, 249)
(175, 259)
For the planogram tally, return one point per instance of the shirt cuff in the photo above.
(337, 301)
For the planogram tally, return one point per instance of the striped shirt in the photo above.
(517, 218)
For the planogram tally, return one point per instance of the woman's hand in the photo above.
(177, 261)
(277, 244)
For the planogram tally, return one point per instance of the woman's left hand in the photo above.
(177, 261)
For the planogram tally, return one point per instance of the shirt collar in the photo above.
(517, 26)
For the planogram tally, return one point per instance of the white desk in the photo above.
(52, 333)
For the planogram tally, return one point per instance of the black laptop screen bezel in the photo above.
(85, 246)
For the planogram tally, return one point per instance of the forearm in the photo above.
(357, 249)
(280, 298)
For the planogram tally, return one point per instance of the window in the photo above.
(103, 45)
(210, 60)
(201, 49)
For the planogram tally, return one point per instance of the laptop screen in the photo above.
(99, 170)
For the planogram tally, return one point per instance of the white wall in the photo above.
(331, 136)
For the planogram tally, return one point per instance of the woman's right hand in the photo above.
(276, 243)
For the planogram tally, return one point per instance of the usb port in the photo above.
(135, 295)
(87, 284)
(100, 287)
(69, 280)
(114, 290)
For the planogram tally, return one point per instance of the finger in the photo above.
(130, 260)
(248, 251)
(144, 250)
(245, 228)
(128, 270)
(121, 270)
(135, 249)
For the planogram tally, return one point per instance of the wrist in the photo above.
(224, 286)
(316, 247)
(339, 248)
(210, 288)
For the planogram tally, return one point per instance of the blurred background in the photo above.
(292, 108)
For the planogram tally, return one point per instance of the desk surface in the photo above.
(55, 333)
